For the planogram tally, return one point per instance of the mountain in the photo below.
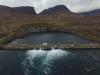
(24, 9)
(92, 13)
(5, 8)
(60, 10)
(54, 10)
(18, 10)
(5, 11)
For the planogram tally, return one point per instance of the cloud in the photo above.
(73, 5)
(40, 5)
(14, 3)
(84, 5)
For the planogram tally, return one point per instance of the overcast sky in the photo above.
(40, 5)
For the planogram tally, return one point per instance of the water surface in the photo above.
(53, 62)
(51, 38)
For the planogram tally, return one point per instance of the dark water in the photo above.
(53, 62)
(51, 38)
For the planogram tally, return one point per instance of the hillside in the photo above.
(16, 25)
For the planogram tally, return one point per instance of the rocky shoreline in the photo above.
(47, 47)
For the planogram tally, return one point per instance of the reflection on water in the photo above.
(53, 62)
(51, 38)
